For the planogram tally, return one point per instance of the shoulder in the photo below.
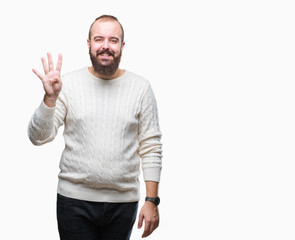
(73, 81)
(138, 80)
(74, 75)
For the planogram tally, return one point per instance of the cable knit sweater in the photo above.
(109, 125)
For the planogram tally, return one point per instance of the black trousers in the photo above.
(84, 220)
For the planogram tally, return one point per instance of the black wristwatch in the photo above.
(155, 200)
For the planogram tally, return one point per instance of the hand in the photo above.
(51, 80)
(149, 212)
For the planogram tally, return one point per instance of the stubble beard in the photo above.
(105, 70)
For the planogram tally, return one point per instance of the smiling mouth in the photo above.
(105, 53)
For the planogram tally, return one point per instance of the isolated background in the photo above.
(223, 76)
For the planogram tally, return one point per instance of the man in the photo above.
(110, 122)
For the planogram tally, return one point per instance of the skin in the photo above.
(149, 211)
(51, 80)
(104, 35)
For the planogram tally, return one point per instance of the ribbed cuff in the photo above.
(45, 112)
(152, 174)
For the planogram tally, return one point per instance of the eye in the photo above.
(98, 39)
(114, 41)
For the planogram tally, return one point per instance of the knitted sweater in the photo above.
(109, 125)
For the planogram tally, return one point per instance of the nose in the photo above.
(105, 44)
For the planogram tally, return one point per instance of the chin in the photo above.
(105, 63)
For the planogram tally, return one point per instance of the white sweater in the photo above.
(109, 125)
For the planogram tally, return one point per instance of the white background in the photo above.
(223, 76)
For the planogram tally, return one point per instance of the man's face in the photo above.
(105, 47)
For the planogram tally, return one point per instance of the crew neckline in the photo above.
(106, 81)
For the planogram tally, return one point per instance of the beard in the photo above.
(105, 70)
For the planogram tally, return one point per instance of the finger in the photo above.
(140, 220)
(147, 229)
(59, 62)
(157, 224)
(150, 228)
(55, 80)
(50, 61)
(38, 74)
(153, 227)
(45, 67)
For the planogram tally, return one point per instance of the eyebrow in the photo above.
(115, 38)
(103, 37)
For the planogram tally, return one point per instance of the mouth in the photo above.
(105, 53)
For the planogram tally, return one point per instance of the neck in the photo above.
(118, 73)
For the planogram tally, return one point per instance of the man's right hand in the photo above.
(51, 80)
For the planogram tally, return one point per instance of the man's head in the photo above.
(106, 42)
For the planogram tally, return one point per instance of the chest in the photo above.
(104, 107)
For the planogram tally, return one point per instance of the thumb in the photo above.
(55, 80)
(140, 221)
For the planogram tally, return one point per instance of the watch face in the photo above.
(157, 201)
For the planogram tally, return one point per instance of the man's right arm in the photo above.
(46, 119)
(44, 124)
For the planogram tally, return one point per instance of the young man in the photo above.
(110, 122)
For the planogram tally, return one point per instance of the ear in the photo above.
(122, 45)
(88, 43)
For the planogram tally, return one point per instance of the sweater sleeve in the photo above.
(149, 137)
(45, 122)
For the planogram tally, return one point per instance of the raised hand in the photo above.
(51, 80)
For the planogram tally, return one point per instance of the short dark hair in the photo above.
(110, 18)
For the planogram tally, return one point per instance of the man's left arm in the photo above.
(150, 151)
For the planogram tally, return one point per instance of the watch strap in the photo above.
(155, 200)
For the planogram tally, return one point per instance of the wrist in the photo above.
(50, 101)
(152, 189)
(154, 200)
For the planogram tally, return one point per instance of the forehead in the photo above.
(106, 29)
